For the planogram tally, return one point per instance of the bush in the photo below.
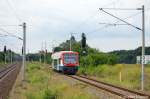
(30, 96)
(112, 59)
(98, 59)
(49, 94)
(33, 67)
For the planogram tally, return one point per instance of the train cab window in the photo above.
(70, 58)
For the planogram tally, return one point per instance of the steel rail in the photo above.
(120, 91)
(6, 67)
(7, 78)
(6, 70)
(129, 90)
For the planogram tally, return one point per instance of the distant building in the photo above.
(139, 59)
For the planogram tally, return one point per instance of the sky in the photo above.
(50, 22)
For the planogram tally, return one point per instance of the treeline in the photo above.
(42, 56)
(95, 57)
(87, 56)
(10, 56)
(129, 56)
(90, 57)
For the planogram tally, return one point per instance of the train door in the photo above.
(60, 65)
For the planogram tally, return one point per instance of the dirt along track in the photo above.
(122, 92)
(116, 90)
(7, 78)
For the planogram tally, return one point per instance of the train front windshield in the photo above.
(70, 58)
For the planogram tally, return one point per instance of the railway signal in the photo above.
(83, 44)
(22, 50)
(10, 54)
(83, 40)
(5, 49)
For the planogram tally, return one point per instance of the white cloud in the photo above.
(49, 20)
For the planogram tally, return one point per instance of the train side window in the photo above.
(55, 62)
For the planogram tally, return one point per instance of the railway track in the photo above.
(122, 92)
(7, 78)
(6, 70)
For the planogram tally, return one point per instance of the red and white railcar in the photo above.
(65, 61)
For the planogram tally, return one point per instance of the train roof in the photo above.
(57, 55)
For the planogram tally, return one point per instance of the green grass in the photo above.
(42, 84)
(2, 64)
(130, 74)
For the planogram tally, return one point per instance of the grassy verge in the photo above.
(2, 64)
(42, 83)
(130, 74)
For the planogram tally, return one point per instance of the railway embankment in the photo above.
(123, 75)
(43, 83)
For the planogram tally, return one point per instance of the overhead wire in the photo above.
(12, 46)
(1, 35)
(122, 8)
(101, 9)
(93, 15)
(17, 17)
(4, 33)
(114, 23)
(10, 34)
(9, 25)
(107, 25)
(13, 10)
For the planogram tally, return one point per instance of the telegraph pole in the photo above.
(11, 57)
(71, 41)
(28, 56)
(143, 47)
(41, 52)
(24, 50)
(143, 37)
(5, 59)
(45, 53)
